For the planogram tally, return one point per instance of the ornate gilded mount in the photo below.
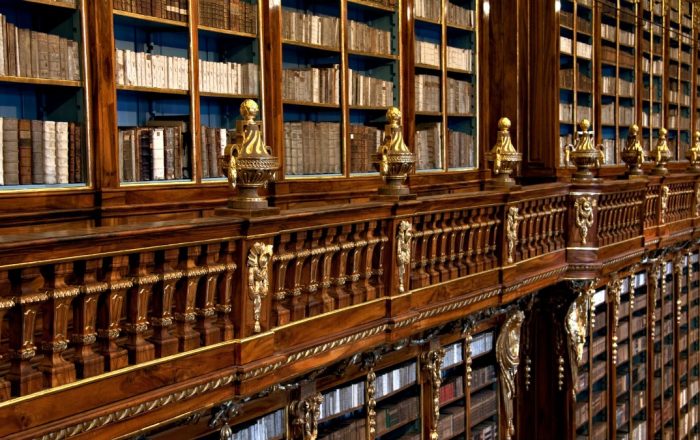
(661, 154)
(503, 155)
(584, 154)
(248, 163)
(633, 153)
(393, 159)
(508, 358)
(693, 154)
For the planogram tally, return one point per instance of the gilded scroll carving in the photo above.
(614, 290)
(508, 357)
(583, 206)
(576, 326)
(512, 231)
(304, 414)
(432, 363)
(371, 403)
(403, 251)
(664, 202)
(258, 278)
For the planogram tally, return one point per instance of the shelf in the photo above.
(383, 56)
(428, 67)
(451, 401)
(395, 427)
(372, 5)
(463, 28)
(463, 71)
(228, 95)
(481, 387)
(395, 392)
(41, 81)
(215, 30)
(310, 46)
(341, 414)
(421, 113)
(475, 422)
(150, 19)
(52, 3)
(311, 104)
(368, 107)
(153, 90)
(461, 115)
(428, 20)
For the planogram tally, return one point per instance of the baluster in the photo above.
(137, 300)
(547, 225)
(164, 343)
(109, 311)
(419, 276)
(379, 271)
(280, 274)
(539, 225)
(480, 246)
(87, 362)
(328, 301)
(7, 302)
(314, 304)
(205, 310)
(432, 249)
(452, 252)
(359, 245)
(492, 238)
(441, 248)
(460, 243)
(367, 260)
(471, 241)
(224, 291)
(29, 297)
(185, 297)
(55, 314)
(531, 229)
(298, 302)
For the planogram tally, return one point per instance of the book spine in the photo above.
(2, 152)
(158, 154)
(49, 152)
(11, 151)
(79, 174)
(62, 152)
(25, 151)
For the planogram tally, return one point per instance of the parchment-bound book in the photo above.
(49, 152)
(62, 152)
(43, 44)
(2, 154)
(158, 142)
(3, 47)
(11, 151)
(120, 67)
(222, 138)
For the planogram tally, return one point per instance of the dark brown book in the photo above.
(43, 44)
(170, 133)
(25, 151)
(11, 44)
(204, 151)
(79, 154)
(157, 8)
(63, 58)
(38, 152)
(145, 153)
(35, 54)
(10, 151)
(24, 54)
(54, 56)
(212, 146)
(71, 152)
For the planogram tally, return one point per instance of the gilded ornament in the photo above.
(371, 403)
(403, 244)
(664, 202)
(576, 326)
(248, 163)
(633, 153)
(258, 277)
(583, 206)
(614, 291)
(512, 231)
(508, 358)
(503, 155)
(432, 364)
(697, 200)
(693, 154)
(584, 154)
(304, 414)
(393, 159)
(661, 154)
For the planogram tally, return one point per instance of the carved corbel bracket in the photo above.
(584, 208)
(432, 363)
(665, 192)
(508, 358)
(403, 251)
(304, 416)
(576, 324)
(258, 263)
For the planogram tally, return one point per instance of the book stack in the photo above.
(566, 19)
(168, 9)
(453, 355)
(483, 405)
(482, 344)
(153, 153)
(369, 91)
(658, 67)
(566, 78)
(388, 3)
(583, 112)
(483, 376)
(461, 149)
(229, 78)
(395, 380)
(429, 146)
(31, 54)
(268, 427)
(316, 85)
(427, 53)
(344, 430)
(627, 115)
(459, 16)
(452, 390)
(40, 152)
(460, 96)
(397, 414)
(460, 59)
(584, 25)
(213, 144)
(451, 422)
(625, 87)
(585, 82)
(141, 69)
(566, 45)
(427, 93)
(342, 399)
(626, 38)
(584, 50)
(608, 32)
(428, 9)
(364, 141)
(312, 148)
(607, 114)
(234, 15)
(321, 30)
(485, 431)
(609, 83)
(566, 112)
(365, 38)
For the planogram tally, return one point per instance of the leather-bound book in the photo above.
(24, 54)
(158, 149)
(213, 146)
(170, 153)
(25, 151)
(146, 153)
(79, 175)
(71, 152)
(43, 44)
(11, 44)
(11, 151)
(204, 151)
(54, 56)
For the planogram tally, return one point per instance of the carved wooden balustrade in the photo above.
(173, 312)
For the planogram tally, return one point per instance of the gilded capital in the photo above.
(503, 155)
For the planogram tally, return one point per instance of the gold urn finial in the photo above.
(504, 156)
(693, 154)
(633, 154)
(661, 154)
(248, 163)
(585, 154)
(393, 159)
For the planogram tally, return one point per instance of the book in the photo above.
(2, 153)
(11, 151)
(61, 152)
(49, 140)
(24, 128)
(158, 148)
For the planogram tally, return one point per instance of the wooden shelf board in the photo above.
(153, 90)
(460, 27)
(149, 18)
(41, 81)
(342, 413)
(5, 189)
(463, 71)
(310, 45)
(53, 3)
(422, 113)
(228, 95)
(474, 390)
(372, 5)
(395, 392)
(395, 427)
(428, 67)
(461, 115)
(231, 32)
(373, 55)
(311, 104)
(451, 401)
(369, 107)
(428, 20)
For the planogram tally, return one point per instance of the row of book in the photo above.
(365, 38)
(451, 390)
(428, 146)
(387, 3)
(397, 414)
(213, 144)
(428, 9)
(461, 59)
(40, 152)
(461, 152)
(322, 30)
(427, 93)
(234, 15)
(153, 153)
(229, 78)
(453, 355)
(347, 430)
(482, 376)
(656, 67)
(485, 431)
(427, 53)
(143, 69)
(624, 87)
(269, 427)
(364, 141)
(168, 9)
(369, 91)
(679, 98)
(320, 85)
(31, 54)
(312, 148)
(459, 16)
(395, 380)
(483, 405)
(451, 422)
(482, 344)
(342, 399)
(460, 97)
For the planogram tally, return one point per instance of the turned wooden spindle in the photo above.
(161, 318)
(110, 310)
(224, 291)
(341, 294)
(367, 261)
(185, 296)
(205, 309)
(138, 299)
(88, 362)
